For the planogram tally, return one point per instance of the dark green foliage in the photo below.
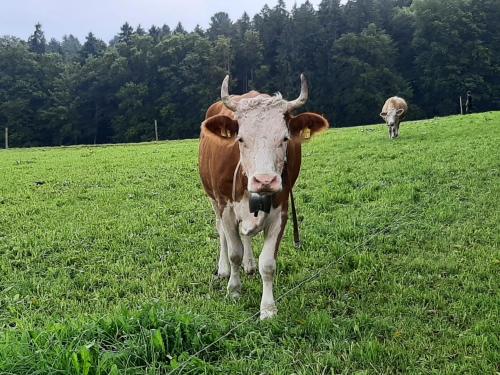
(354, 54)
(54, 46)
(220, 25)
(92, 47)
(37, 42)
(365, 75)
(457, 50)
(70, 47)
(126, 33)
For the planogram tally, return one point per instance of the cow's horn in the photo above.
(224, 95)
(302, 99)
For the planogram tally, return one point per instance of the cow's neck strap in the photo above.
(236, 170)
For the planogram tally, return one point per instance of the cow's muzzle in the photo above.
(265, 184)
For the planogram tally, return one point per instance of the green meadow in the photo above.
(108, 254)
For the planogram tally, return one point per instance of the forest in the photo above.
(354, 55)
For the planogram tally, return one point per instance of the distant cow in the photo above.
(249, 159)
(393, 112)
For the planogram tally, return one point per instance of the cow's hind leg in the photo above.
(235, 251)
(248, 258)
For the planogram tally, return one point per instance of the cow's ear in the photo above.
(383, 115)
(306, 125)
(222, 126)
(400, 111)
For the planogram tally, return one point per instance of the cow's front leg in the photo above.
(396, 131)
(248, 258)
(267, 261)
(235, 251)
(224, 266)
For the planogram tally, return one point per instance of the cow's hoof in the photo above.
(221, 274)
(234, 289)
(268, 312)
(234, 294)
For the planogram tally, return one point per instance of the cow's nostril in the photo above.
(264, 179)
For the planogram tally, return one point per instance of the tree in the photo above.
(165, 31)
(92, 47)
(179, 29)
(354, 55)
(359, 14)
(155, 33)
(365, 76)
(54, 46)
(126, 32)
(298, 48)
(220, 25)
(133, 122)
(140, 31)
(70, 47)
(26, 86)
(199, 30)
(242, 25)
(188, 81)
(451, 56)
(37, 40)
(331, 27)
(271, 24)
(248, 60)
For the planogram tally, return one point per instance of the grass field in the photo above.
(107, 257)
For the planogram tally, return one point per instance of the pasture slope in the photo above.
(107, 257)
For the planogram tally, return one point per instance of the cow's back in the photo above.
(395, 102)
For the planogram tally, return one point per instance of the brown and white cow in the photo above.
(250, 155)
(393, 112)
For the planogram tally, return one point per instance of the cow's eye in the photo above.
(240, 140)
(286, 139)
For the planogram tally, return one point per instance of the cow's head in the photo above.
(263, 128)
(393, 118)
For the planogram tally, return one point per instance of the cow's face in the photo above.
(263, 138)
(392, 118)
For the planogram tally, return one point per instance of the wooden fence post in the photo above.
(461, 107)
(156, 130)
(6, 138)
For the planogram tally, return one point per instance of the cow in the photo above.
(249, 160)
(393, 112)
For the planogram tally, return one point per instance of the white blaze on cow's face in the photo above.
(263, 135)
(392, 118)
(263, 139)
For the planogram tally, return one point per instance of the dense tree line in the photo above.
(354, 55)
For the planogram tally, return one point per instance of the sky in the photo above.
(104, 17)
